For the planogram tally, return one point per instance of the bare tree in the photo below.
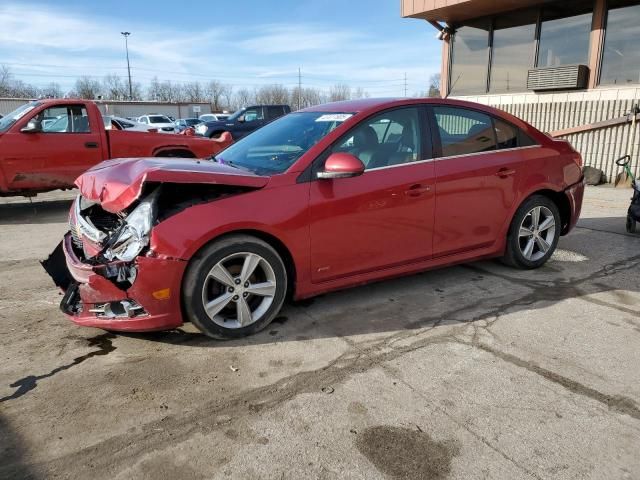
(218, 93)
(87, 87)
(114, 88)
(193, 92)
(434, 85)
(242, 98)
(52, 90)
(308, 97)
(339, 92)
(272, 94)
(5, 81)
(360, 93)
(154, 89)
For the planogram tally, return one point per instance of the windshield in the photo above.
(235, 115)
(158, 119)
(192, 121)
(274, 148)
(17, 114)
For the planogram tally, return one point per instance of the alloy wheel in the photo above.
(238, 290)
(537, 233)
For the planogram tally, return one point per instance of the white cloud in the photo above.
(42, 44)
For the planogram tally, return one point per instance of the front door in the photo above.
(56, 155)
(384, 217)
(477, 175)
(253, 119)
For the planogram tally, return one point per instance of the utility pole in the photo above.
(405, 84)
(126, 46)
(299, 89)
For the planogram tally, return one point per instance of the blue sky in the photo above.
(364, 43)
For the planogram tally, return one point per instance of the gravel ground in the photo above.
(474, 371)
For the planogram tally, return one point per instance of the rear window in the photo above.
(158, 119)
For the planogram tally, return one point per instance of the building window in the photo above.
(621, 55)
(513, 51)
(564, 33)
(470, 56)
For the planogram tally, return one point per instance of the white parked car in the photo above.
(125, 124)
(163, 123)
(213, 117)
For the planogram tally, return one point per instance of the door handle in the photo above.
(417, 190)
(91, 144)
(505, 172)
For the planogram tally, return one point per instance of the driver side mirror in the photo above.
(341, 165)
(241, 119)
(34, 126)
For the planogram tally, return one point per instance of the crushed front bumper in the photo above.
(151, 301)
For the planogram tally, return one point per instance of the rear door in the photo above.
(65, 147)
(383, 218)
(477, 171)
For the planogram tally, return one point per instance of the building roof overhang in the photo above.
(453, 11)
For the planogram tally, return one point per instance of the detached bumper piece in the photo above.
(138, 296)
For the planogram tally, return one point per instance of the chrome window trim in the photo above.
(487, 152)
(406, 164)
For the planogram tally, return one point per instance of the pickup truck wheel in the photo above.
(534, 233)
(234, 287)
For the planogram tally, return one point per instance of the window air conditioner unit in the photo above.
(565, 77)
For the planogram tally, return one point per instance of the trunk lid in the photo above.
(116, 184)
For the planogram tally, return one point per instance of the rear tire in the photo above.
(534, 233)
(234, 287)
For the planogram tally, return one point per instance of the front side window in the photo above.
(273, 148)
(464, 132)
(513, 51)
(391, 138)
(470, 57)
(564, 33)
(64, 119)
(253, 114)
(621, 55)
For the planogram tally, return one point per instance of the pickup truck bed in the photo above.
(45, 145)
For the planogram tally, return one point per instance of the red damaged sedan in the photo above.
(321, 199)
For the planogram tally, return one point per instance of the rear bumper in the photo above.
(575, 194)
(156, 289)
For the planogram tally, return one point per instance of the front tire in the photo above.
(533, 234)
(234, 287)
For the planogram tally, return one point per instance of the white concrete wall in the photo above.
(556, 111)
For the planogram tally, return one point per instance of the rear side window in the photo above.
(274, 112)
(507, 135)
(464, 132)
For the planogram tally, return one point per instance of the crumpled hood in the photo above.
(116, 184)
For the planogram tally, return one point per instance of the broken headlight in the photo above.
(134, 234)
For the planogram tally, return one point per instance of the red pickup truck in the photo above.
(45, 145)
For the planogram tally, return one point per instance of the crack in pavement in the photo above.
(112, 453)
(618, 403)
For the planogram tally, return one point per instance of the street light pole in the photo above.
(126, 46)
